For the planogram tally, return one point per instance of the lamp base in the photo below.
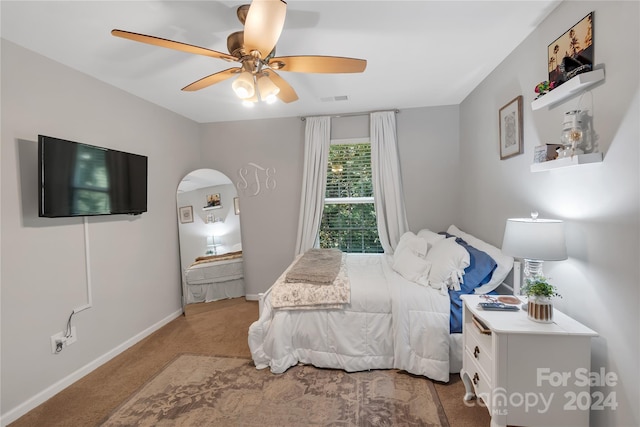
(532, 268)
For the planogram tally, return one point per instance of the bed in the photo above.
(215, 277)
(402, 311)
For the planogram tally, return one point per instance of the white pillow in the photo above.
(411, 266)
(431, 237)
(448, 261)
(412, 242)
(505, 262)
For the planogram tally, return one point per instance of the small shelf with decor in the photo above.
(564, 162)
(576, 85)
(209, 208)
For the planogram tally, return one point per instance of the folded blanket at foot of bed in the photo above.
(301, 296)
(316, 266)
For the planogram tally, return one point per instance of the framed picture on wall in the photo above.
(186, 214)
(236, 205)
(539, 154)
(213, 200)
(510, 125)
(572, 52)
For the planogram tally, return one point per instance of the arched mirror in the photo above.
(210, 239)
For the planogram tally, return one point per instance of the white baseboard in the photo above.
(252, 297)
(56, 388)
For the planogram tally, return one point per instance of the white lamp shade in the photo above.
(535, 239)
(268, 90)
(243, 85)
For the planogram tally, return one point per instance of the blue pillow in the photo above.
(480, 269)
(479, 272)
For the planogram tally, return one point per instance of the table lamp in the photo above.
(212, 245)
(535, 240)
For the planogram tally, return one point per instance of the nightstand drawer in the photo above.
(483, 339)
(478, 347)
(481, 384)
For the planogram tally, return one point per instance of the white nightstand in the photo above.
(527, 373)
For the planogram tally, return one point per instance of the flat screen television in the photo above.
(81, 180)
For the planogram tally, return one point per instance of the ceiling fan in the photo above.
(254, 48)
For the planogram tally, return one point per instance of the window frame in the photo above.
(349, 200)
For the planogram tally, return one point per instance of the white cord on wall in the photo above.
(87, 261)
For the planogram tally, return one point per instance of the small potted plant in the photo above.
(540, 293)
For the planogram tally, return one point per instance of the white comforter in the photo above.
(391, 323)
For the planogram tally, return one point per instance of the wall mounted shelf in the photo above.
(211, 208)
(579, 159)
(577, 84)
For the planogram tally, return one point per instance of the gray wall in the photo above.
(599, 203)
(134, 262)
(428, 140)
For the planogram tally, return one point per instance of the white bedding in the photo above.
(215, 280)
(390, 323)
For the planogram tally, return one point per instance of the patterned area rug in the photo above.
(196, 390)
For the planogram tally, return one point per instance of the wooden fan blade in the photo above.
(212, 79)
(263, 25)
(169, 44)
(318, 64)
(286, 94)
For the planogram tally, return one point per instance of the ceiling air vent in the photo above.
(334, 98)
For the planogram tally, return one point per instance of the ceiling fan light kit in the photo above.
(267, 89)
(243, 85)
(254, 49)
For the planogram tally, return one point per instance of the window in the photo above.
(349, 217)
(91, 181)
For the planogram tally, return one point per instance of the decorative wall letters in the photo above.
(253, 178)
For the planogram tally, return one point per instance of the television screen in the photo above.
(81, 180)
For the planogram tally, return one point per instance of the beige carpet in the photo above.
(197, 390)
(214, 329)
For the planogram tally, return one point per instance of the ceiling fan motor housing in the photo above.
(235, 44)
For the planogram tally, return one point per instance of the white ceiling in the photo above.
(419, 53)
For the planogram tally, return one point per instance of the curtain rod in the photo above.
(303, 118)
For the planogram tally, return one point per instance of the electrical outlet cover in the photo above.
(66, 341)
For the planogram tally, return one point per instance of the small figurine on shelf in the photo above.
(544, 87)
(572, 133)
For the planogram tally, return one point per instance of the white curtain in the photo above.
(387, 181)
(317, 138)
